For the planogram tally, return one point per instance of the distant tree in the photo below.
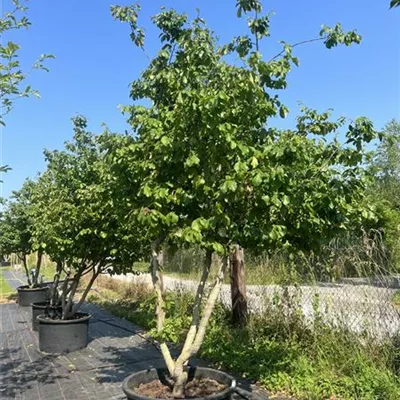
(16, 227)
(386, 164)
(12, 78)
(384, 191)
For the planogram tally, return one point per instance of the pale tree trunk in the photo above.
(85, 293)
(160, 312)
(197, 331)
(67, 311)
(25, 264)
(38, 265)
(238, 287)
(56, 281)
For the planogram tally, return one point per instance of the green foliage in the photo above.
(73, 214)
(384, 190)
(12, 78)
(17, 226)
(204, 168)
(5, 288)
(394, 3)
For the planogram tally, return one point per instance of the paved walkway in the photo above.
(116, 349)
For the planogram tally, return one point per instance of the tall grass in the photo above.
(349, 256)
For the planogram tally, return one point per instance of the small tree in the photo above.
(384, 189)
(12, 78)
(73, 217)
(205, 168)
(16, 227)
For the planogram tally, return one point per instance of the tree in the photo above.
(73, 217)
(12, 78)
(204, 168)
(386, 164)
(16, 226)
(384, 190)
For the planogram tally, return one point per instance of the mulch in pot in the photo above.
(195, 388)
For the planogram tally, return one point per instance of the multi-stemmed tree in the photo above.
(74, 220)
(205, 168)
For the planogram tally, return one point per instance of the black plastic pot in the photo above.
(27, 295)
(39, 309)
(133, 381)
(59, 337)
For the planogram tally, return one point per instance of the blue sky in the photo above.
(96, 62)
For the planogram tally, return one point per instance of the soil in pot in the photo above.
(196, 388)
(58, 336)
(203, 384)
(27, 295)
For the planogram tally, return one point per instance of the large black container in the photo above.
(59, 337)
(27, 295)
(133, 381)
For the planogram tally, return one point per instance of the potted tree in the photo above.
(73, 222)
(15, 238)
(204, 168)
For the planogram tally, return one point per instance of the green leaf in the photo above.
(171, 218)
(254, 162)
(147, 191)
(231, 185)
(285, 200)
(192, 160)
(256, 180)
(218, 248)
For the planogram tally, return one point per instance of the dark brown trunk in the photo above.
(238, 287)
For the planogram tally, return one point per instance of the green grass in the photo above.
(280, 352)
(396, 299)
(48, 270)
(5, 288)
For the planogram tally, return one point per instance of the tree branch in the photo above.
(185, 353)
(297, 44)
(160, 312)
(209, 307)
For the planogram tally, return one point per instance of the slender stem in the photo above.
(160, 312)
(85, 293)
(185, 353)
(297, 44)
(24, 263)
(38, 265)
(180, 376)
(209, 307)
(256, 34)
(64, 295)
(56, 281)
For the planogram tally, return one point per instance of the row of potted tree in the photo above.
(204, 167)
